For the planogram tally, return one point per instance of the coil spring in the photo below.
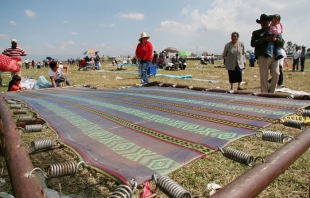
(240, 156)
(124, 191)
(33, 128)
(272, 136)
(63, 169)
(15, 106)
(305, 113)
(11, 101)
(39, 144)
(294, 123)
(20, 111)
(25, 118)
(60, 169)
(170, 187)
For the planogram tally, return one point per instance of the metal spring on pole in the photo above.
(62, 169)
(170, 187)
(240, 156)
(20, 111)
(305, 113)
(294, 123)
(25, 118)
(11, 101)
(273, 136)
(15, 106)
(31, 128)
(124, 191)
(40, 144)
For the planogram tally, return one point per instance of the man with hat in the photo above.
(303, 58)
(259, 41)
(15, 52)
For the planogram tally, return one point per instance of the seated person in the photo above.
(167, 63)
(182, 64)
(56, 74)
(14, 84)
(160, 62)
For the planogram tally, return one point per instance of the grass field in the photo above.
(195, 176)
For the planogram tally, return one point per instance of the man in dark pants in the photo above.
(303, 58)
(259, 40)
(296, 56)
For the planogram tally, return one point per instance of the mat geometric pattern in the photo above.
(136, 132)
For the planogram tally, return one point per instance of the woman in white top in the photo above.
(56, 75)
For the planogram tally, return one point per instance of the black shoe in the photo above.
(239, 89)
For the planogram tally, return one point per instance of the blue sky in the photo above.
(66, 28)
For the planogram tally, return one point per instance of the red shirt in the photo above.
(145, 52)
(15, 88)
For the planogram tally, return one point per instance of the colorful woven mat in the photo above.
(136, 132)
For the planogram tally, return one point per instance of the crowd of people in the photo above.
(267, 41)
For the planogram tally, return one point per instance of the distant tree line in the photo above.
(290, 47)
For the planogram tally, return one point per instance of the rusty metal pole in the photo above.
(255, 180)
(17, 158)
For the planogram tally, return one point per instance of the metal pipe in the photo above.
(36, 121)
(255, 180)
(17, 158)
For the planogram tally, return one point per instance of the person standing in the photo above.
(97, 61)
(15, 52)
(281, 64)
(155, 58)
(259, 41)
(234, 52)
(252, 59)
(296, 56)
(303, 58)
(144, 53)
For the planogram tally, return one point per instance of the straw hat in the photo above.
(144, 35)
(303, 46)
(13, 41)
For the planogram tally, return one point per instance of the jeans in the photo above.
(144, 66)
(295, 63)
(272, 48)
(97, 65)
(302, 64)
(57, 81)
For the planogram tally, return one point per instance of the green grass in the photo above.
(195, 176)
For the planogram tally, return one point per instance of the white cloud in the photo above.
(134, 15)
(13, 23)
(65, 22)
(3, 36)
(73, 33)
(175, 27)
(30, 13)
